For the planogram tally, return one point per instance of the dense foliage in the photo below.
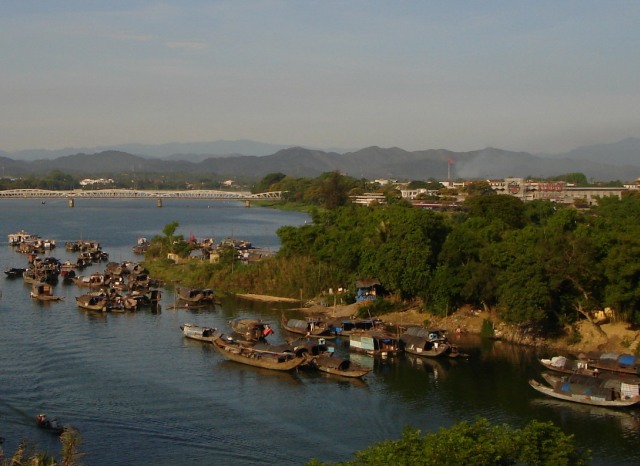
(478, 443)
(539, 264)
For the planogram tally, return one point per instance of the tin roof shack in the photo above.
(368, 289)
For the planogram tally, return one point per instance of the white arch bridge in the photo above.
(159, 195)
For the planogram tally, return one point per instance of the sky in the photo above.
(542, 76)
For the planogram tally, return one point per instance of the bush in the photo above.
(487, 330)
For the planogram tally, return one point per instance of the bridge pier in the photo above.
(159, 202)
(71, 202)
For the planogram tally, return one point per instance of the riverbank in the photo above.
(617, 337)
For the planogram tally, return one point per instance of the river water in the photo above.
(141, 394)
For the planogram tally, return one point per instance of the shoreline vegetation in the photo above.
(535, 273)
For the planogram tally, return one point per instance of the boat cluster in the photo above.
(311, 348)
(121, 287)
(247, 344)
(597, 379)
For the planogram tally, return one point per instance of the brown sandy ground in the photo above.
(619, 337)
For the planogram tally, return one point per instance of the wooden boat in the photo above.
(197, 332)
(95, 280)
(251, 329)
(196, 295)
(50, 425)
(245, 354)
(339, 366)
(353, 326)
(614, 362)
(569, 366)
(376, 343)
(309, 327)
(427, 343)
(44, 292)
(21, 237)
(14, 272)
(590, 391)
(93, 302)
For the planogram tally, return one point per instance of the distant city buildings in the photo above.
(526, 190)
(95, 182)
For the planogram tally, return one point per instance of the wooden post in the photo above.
(247, 203)
(159, 202)
(71, 202)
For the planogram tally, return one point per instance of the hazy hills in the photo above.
(603, 162)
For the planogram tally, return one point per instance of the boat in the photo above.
(93, 302)
(339, 366)
(95, 280)
(611, 393)
(14, 272)
(246, 354)
(569, 366)
(195, 295)
(50, 425)
(615, 362)
(353, 326)
(251, 329)
(428, 343)
(310, 327)
(21, 237)
(44, 292)
(197, 332)
(376, 343)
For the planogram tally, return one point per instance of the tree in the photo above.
(267, 182)
(478, 443)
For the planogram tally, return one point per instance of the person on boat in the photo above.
(267, 331)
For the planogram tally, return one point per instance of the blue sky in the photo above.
(543, 76)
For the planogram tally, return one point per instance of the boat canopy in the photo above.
(298, 323)
(427, 334)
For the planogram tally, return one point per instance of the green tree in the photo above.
(478, 443)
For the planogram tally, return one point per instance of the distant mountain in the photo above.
(622, 153)
(371, 163)
(189, 151)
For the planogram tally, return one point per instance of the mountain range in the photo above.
(250, 159)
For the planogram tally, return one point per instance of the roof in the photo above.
(367, 282)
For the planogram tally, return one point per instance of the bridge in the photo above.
(159, 195)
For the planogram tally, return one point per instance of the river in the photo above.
(141, 394)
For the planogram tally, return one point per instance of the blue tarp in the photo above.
(627, 359)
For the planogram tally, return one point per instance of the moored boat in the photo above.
(195, 295)
(354, 326)
(245, 354)
(614, 362)
(339, 366)
(92, 302)
(95, 280)
(376, 343)
(251, 329)
(428, 343)
(14, 272)
(310, 327)
(196, 332)
(610, 393)
(44, 292)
